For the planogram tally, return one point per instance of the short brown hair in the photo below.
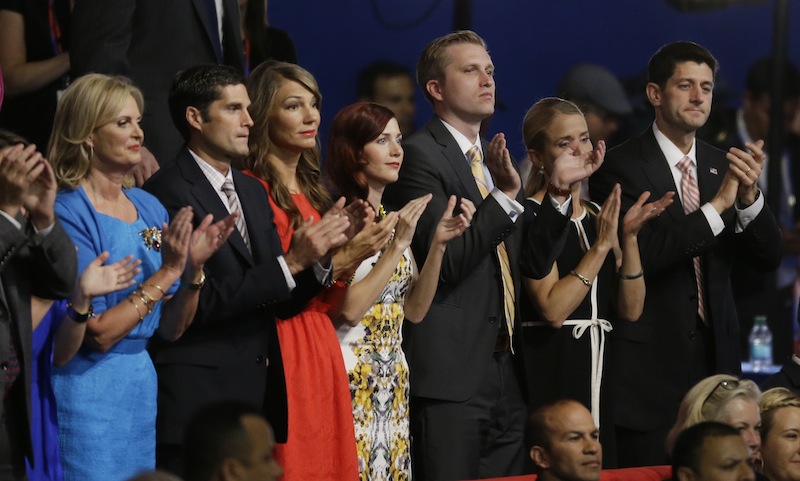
(432, 61)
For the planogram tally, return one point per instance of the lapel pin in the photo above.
(713, 170)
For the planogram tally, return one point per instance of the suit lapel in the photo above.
(710, 171)
(455, 158)
(206, 196)
(657, 171)
(255, 204)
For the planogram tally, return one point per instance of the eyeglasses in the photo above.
(726, 384)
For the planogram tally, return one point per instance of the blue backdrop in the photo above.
(532, 42)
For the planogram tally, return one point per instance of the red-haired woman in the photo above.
(364, 156)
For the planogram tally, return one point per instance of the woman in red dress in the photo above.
(284, 155)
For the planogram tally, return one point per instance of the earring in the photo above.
(541, 169)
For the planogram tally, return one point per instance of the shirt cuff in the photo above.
(563, 208)
(323, 274)
(287, 274)
(11, 219)
(511, 206)
(714, 220)
(39, 235)
(746, 215)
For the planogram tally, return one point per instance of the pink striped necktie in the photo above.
(690, 196)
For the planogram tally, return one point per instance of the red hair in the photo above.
(353, 127)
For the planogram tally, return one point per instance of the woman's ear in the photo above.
(535, 159)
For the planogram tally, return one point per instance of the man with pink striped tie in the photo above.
(689, 328)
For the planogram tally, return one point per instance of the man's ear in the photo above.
(653, 94)
(434, 88)
(684, 473)
(231, 469)
(540, 457)
(194, 117)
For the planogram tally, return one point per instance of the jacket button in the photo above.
(4, 366)
(493, 319)
(260, 360)
(692, 335)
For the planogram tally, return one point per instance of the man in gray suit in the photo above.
(36, 258)
(466, 405)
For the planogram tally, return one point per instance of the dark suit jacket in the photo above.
(47, 270)
(788, 377)
(150, 41)
(450, 349)
(652, 357)
(231, 349)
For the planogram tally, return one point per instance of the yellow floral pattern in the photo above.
(379, 384)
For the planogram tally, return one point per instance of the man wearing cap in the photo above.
(600, 95)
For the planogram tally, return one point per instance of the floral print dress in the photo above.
(378, 374)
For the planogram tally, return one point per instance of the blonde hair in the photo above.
(88, 103)
(707, 399)
(263, 85)
(534, 133)
(771, 402)
(432, 61)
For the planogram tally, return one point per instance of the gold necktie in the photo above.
(475, 157)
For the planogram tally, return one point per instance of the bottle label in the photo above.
(760, 352)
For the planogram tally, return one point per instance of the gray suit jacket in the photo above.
(449, 351)
(46, 269)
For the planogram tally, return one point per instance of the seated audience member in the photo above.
(391, 85)
(711, 451)
(722, 398)
(788, 376)
(564, 442)
(230, 441)
(780, 435)
(34, 37)
(110, 386)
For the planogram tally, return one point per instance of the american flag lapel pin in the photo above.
(713, 170)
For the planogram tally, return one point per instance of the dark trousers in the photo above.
(12, 453)
(481, 437)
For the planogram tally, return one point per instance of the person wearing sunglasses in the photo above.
(726, 399)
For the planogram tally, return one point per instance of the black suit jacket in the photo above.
(449, 351)
(46, 269)
(788, 377)
(652, 356)
(231, 349)
(150, 41)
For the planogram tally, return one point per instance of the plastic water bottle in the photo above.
(760, 344)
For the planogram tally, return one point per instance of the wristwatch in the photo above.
(196, 286)
(78, 316)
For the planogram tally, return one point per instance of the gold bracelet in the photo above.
(584, 279)
(150, 298)
(148, 301)
(157, 287)
(138, 311)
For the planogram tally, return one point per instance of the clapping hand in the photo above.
(569, 168)
(26, 179)
(207, 238)
(451, 226)
(98, 279)
(407, 220)
(498, 161)
(640, 213)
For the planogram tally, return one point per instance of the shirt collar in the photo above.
(671, 152)
(463, 142)
(215, 177)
